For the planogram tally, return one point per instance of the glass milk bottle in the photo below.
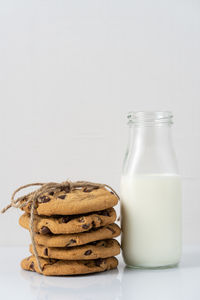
(150, 193)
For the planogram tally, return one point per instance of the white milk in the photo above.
(151, 220)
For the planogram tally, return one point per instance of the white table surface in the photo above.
(178, 283)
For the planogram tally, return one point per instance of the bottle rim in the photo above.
(150, 118)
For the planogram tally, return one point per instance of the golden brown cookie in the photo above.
(79, 201)
(53, 267)
(77, 239)
(98, 249)
(69, 224)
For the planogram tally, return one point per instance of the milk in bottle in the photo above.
(150, 194)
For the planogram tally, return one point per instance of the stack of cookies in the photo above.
(74, 231)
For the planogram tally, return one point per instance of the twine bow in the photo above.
(33, 197)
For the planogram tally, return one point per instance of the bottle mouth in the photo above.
(150, 118)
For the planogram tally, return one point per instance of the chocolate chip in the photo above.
(29, 206)
(45, 230)
(46, 251)
(89, 189)
(66, 219)
(81, 220)
(93, 225)
(88, 252)
(111, 229)
(32, 266)
(65, 188)
(103, 244)
(98, 262)
(85, 226)
(44, 199)
(100, 220)
(62, 196)
(111, 192)
(72, 241)
(52, 261)
(51, 193)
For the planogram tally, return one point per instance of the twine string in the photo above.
(33, 197)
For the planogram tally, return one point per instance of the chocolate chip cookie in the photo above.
(94, 250)
(53, 267)
(77, 239)
(79, 201)
(69, 224)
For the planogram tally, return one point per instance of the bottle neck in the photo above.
(151, 136)
(150, 150)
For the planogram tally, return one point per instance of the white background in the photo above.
(69, 73)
